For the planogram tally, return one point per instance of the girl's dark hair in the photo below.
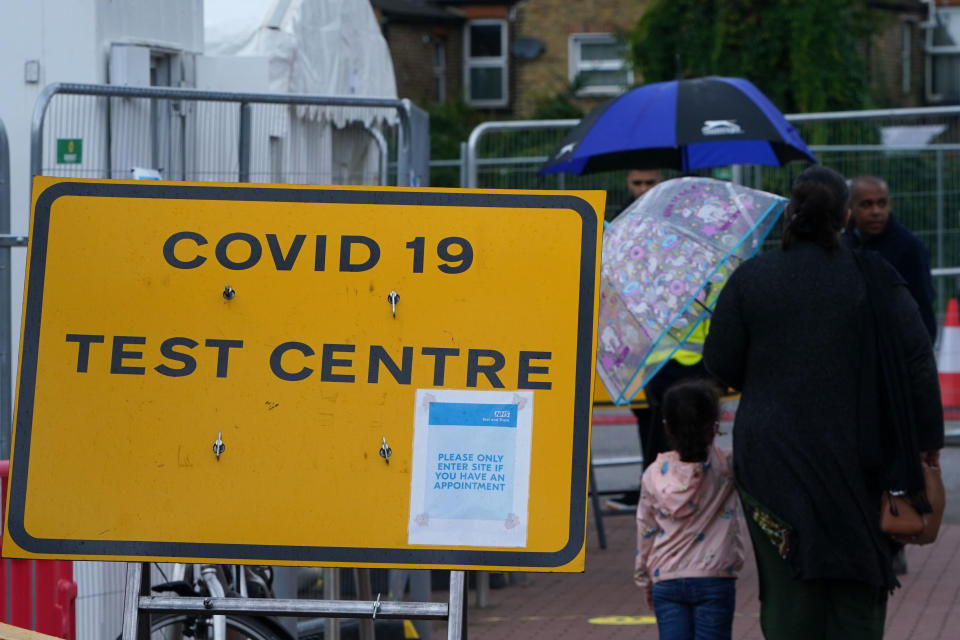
(691, 409)
(818, 203)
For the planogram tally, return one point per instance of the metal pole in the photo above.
(873, 113)
(155, 137)
(6, 362)
(295, 608)
(136, 626)
(331, 591)
(483, 588)
(167, 93)
(36, 131)
(597, 509)
(365, 592)
(940, 225)
(457, 618)
(474, 140)
(209, 576)
(243, 145)
(420, 592)
(108, 138)
(170, 93)
(736, 174)
(405, 151)
(384, 151)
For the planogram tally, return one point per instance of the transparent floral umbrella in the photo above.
(665, 259)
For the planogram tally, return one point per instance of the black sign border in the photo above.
(415, 557)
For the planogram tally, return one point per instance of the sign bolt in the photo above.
(218, 446)
(393, 299)
(385, 451)
(228, 293)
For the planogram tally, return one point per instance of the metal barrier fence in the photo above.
(917, 151)
(105, 131)
(6, 362)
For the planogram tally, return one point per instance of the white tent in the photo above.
(321, 47)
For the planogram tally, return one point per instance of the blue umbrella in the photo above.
(681, 124)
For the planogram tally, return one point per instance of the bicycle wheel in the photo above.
(179, 626)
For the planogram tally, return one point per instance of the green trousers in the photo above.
(793, 609)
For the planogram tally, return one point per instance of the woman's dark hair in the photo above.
(818, 203)
(691, 409)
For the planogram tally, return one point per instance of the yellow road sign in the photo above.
(304, 375)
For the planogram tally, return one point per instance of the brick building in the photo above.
(426, 44)
(584, 48)
(508, 56)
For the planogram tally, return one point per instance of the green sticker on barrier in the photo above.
(69, 150)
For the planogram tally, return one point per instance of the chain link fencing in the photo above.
(917, 151)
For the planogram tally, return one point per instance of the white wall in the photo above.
(234, 73)
(170, 24)
(60, 34)
(71, 40)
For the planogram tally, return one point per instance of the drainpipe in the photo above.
(928, 26)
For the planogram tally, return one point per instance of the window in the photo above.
(598, 64)
(485, 63)
(161, 69)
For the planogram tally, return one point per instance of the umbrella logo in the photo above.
(720, 128)
(566, 149)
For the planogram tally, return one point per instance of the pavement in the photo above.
(603, 603)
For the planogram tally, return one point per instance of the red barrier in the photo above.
(601, 420)
(42, 595)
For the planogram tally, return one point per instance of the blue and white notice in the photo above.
(471, 468)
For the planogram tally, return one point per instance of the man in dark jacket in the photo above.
(873, 227)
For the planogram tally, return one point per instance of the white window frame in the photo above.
(487, 62)
(577, 65)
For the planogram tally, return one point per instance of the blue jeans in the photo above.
(695, 608)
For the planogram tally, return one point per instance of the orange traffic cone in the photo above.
(948, 362)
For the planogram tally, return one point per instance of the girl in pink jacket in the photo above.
(689, 547)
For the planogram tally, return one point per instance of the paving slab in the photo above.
(602, 603)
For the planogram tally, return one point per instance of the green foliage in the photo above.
(558, 107)
(803, 55)
(450, 124)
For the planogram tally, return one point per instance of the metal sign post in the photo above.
(138, 601)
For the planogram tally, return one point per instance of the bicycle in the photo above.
(208, 580)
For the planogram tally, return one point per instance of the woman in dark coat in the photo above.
(789, 332)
